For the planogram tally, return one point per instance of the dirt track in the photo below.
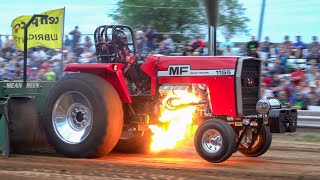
(290, 157)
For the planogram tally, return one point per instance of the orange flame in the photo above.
(174, 123)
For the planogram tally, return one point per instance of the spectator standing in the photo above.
(286, 46)
(88, 43)
(140, 39)
(75, 36)
(280, 66)
(252, 47)
(67, 41)
(167, 45)
(150, 36)
(224, 45)
(298, 47)
(264, 49)
(314, 50)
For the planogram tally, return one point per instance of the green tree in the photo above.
(179, 16)
(232, 19)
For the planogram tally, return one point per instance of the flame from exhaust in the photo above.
(174, 123)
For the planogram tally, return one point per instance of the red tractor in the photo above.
(98, 107)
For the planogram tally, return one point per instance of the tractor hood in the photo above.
(187, 65)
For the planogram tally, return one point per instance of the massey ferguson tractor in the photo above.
(98, 107)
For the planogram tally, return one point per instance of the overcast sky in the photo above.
(281, 16)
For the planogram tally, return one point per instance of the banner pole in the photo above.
(62, 34)
(25, 48)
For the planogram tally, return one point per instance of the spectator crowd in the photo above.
(295, 85)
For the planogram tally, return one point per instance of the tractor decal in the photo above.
(185, 70)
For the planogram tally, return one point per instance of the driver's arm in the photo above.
(131, 59)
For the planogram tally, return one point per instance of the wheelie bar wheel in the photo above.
(260, 146)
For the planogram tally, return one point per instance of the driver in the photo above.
(124, 55)
(123, 52)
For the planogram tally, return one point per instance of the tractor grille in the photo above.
(250, 85)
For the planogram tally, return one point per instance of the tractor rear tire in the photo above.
(261, 145)
(215, 140)
(83, 116)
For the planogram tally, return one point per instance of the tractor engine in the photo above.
(199, 90)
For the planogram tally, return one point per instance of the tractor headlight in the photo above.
(264, 105)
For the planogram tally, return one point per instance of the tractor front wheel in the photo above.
(215, 140)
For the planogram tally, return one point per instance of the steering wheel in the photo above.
(141, 56)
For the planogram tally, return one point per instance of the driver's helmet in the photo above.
(120, 38)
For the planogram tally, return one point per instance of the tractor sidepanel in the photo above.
(221, 88)
(107, 71)
(217, 72)
(222, 95)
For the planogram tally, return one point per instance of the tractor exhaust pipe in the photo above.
(212, 9)
(170, 105)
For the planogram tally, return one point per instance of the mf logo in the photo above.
(179, 70)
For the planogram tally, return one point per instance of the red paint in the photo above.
(106, 71)
(149, 67)
(198, 62)
(222, 88)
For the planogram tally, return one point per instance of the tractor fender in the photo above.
(111, 72)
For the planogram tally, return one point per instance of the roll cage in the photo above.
(105, 35)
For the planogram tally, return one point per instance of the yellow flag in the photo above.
(45, 32)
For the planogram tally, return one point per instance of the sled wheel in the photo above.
(83, 116)
(260, 146)
(215, 140)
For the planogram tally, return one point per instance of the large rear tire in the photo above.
(83, 116)
(215, 140)
(261, 145)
